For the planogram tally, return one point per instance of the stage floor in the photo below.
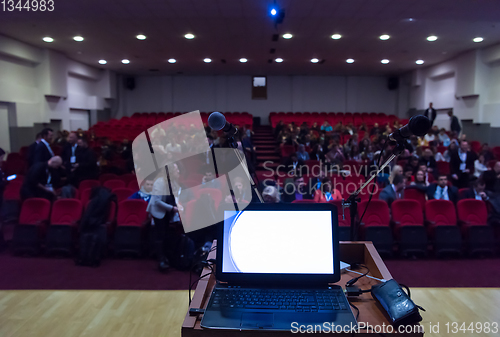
(123, 313)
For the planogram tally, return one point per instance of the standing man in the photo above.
(462, 165)
(32, 149)
(430, 113)
(454, 123)
(69, 156)
(43, 151)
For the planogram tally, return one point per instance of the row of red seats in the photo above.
(57, 224)
(442, 223)
(357, 119)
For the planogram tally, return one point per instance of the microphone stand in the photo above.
(353, 199)
(233, 144)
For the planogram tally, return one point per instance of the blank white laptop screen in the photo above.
(278, 242)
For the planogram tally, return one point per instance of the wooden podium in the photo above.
(350, 252)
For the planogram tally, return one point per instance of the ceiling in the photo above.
(231, 29)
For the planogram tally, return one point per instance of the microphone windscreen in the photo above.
(419, 125)
(216, 121)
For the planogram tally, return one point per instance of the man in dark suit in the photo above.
(295, 191)
(441, 190)
(394, 191)
(454, 123)
(294, 165)
(462, 165)
(32, 149)
(476, 191)
(430, 113)
(85, 166)
(68, 155)
(42, 180)
(43, 151)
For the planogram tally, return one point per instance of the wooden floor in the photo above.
(97, 313)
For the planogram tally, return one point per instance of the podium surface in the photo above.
(370, 313)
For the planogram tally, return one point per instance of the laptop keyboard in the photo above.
(280, 299)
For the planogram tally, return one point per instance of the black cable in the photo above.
(352, 281)
(208, 263)
(374, 183)
(192, 284)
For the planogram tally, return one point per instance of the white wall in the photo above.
(44, 85)
(4, 127)
(233, 93)
(469, 84)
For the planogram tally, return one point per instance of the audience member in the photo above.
(462, 165)
(43, 151)
(68, 156)
(32, 149)
(271, 195)
(441, 190)
(42, 180)
(86, 162)
(429, 161)
(454, 123)
(294, 165)
(295, 191)
(430, 113)
(443, 137)
(420, 181)
(209, 180)
(394, 191)
(480, 166)
(326, 127)
(477, 191)
(325, 193)
(144, 192)
(301, 153)
(396, 171)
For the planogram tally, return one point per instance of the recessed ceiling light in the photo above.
(189, 36)
(141, 37)
(384, 61)
(78, 38)
(336, 36)
(314, 60)
(409, 20)
(432, 38)
(125, 61)
(384, 37)
(287, 36)
(419, 61)
(48, 39)
(478, 39)
(207, 60)
(243, 60)
(172, 60)
(349, 61)
(278, 60)
(103, 61)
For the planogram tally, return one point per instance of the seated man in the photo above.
(393, 191)
(441, 190)
(476, 191)
(144, 192)
(302, 153)
(42, 180)
(296, 191)
(209, 179)
(294, 165)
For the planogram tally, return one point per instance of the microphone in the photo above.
(217, 122)
(418, 125)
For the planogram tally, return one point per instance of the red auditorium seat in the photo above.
(473, 220)
(443, 167)
(122, 193)
(31, 226)
(66, 213)
(12, 191)
(127, 178)
(287, 150)
(415, 194)
(376, 225)
(409, 227)
(114, 183)
(130, 223)
(442, 227)
(475, 146)
(107, 176)
(133, 185)
(212, 192)
(85, 184)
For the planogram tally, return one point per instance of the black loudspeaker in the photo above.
(130, 83)
(392, 83)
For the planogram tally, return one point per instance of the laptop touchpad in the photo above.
(257, 320)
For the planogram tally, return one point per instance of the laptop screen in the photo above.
(278, 242)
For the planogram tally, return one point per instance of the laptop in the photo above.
(274, 266)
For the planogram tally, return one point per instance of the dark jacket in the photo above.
(31, 153)
(455, 125)
(66, 155)
(432, 114)
(87, 164)
(97, 212)
(452, 192)
(42, 153)
(299, 167)
(38, 174)
(455, 162)
(389, 195)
